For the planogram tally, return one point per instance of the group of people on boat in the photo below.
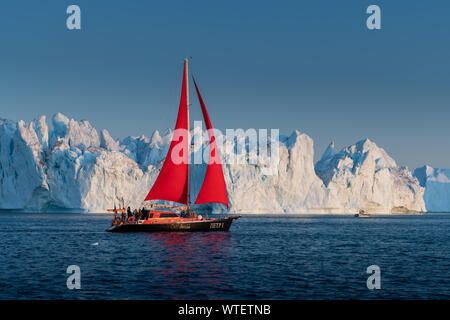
(129, 216)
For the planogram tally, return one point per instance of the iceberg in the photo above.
(71, 165)
(364, 177)
(437, 187)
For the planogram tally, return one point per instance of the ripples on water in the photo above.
(262, 257)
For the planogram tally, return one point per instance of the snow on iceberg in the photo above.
(364, 177)
(73, 166)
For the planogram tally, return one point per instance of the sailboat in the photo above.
(173, 182)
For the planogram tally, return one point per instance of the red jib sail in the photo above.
(172, 181)
(214, 189)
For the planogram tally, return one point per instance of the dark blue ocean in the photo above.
(262, 257)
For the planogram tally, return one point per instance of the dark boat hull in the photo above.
(191, 226)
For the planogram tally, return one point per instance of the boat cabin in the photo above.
(167, 217)
(158, 217)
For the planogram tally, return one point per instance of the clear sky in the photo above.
(306, 65)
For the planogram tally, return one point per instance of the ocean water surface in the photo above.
(262, 257)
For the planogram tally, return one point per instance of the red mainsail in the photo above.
(172, 181)
(214, 189)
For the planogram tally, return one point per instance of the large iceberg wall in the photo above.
(72, 165)
(21, 164)
(437, 187)
(293, 188)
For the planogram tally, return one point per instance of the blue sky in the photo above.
(307, 65)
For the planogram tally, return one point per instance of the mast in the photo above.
(186, 61)
(172, 181)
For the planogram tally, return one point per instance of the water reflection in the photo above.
(189, 260)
